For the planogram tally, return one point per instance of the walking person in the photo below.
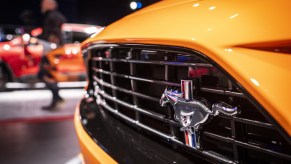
(52, 33)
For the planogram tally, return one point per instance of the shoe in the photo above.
(60, 100)
(54, 104)
(50, 107)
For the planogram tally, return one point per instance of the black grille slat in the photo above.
(249, 121)
(122, 81)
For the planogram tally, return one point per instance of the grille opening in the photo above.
(186, 58)
(219, 126)
(155, 72)
(170, 113)
(96, 64)
(122, 68)
(217, 146)
(213, 97)
(104, 53)
(106, 78)
(109, 102)
(108, 91)
(152, 55)
(159, 125)
(209, 81)
(123, 83)
(126, 111)
(105, 65)
(98, 75)
(180, 73)
(96, 53)
(250, 112)
(257, 157)
(197, 72)
(152, 106)
(180, 134)
(209, 77)
(120, 53)
(124, 97)
(151, 89)
(266, 138)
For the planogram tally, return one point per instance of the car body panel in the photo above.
(219, 31)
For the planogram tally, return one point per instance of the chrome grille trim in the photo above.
(165, 136)
(159, 116)
(101, 82)
(233, 92)
(242, 120)
(250, 122)
(153, 62)
(138, 109)
(137, 78)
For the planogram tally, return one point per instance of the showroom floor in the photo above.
(29, 134)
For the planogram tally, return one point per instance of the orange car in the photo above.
(67, 60)
(190, 82)
(20, 56)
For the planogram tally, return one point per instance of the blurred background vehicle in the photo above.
(20, 55)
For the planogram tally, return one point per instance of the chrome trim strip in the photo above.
(223, 92)
(138, 109)
(96, 46)
(174, 63)
(118, 113)
(248, 121)
(136, 122)
(137, 78)
(101, 82)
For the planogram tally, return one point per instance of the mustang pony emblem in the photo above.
(192, 112)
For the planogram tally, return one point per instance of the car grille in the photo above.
(128, 80)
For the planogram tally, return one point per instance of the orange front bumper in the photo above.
(91, 152)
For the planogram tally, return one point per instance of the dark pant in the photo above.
(52, 86)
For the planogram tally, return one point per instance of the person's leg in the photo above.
(56, 98)
(53, 87)
(50, 83)
(44, 76)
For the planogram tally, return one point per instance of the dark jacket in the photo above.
(52, 23)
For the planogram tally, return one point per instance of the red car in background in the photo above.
(20, 55)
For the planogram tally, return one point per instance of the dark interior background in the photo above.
(97, 12)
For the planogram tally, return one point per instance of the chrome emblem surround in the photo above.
(191, 112)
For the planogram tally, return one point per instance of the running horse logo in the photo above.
(192, 113)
